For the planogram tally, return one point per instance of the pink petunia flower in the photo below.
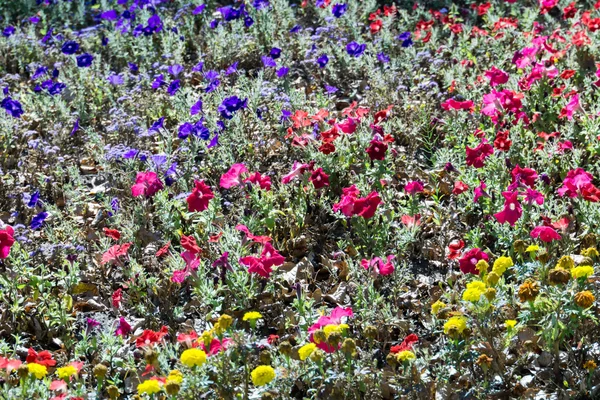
(470, 259)
(545, 234)
(479, 191)
(147, 184)
(414, 187)
(572, 106)
(263, 265)
(6, 241)
(263, 181)
(379, 266)
(232, 177)
(319, 178)
(298, 169)
(512, 209)
(335, 318)
(496, 76)
(123, 328)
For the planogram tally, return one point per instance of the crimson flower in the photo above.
(319, 178)
(414, 187)
(377, 149)
(379, 266)
(263, 181)
(117, 297)
(200, 197)
(476, 156)
(512, 209)
(6, 241)
(189, 243)
(123, 328)
(262, 265)
(216, 346)
(452, 104)
(496, 76)
(366, 206)
(459, 187)
(455, 249)
(406, 344)
(112, 233)
(470, 259)
(545, 234)
(250, 236)
(525, 175)
(43, 358)
(150, 337)
(147, 184)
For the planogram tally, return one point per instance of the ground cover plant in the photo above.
(272, 199)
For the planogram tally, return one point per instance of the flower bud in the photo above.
(264, 358)
(370, 332)
(285, 348)
(349, 347)
(492, 278)
(113, 392)
(317, 355)
(334, 339)
(558, 276)
(319, 336)
(172, 388)
(100, 371)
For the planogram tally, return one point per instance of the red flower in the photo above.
(163, 250)
(9, 364)
(262, 266)
(569, 11)
(502, 142)
(117, 297)
(189, 339)
(150, 338)
(496, 76)
(459, 187)
(216, 346)
(189, 243)
(414, 187)
(43, 358)
(376, 26)
(250, 236)
(272, 339)
(366, 206)
(545, 234)
(452, 104)
(512, 209)
(200, 197)
(407, 344)
(526, 175)
(476, 156)
(319, 178)
(115, 252)
(147, 184)
(382, 115)
(377, 149)
(6, 241)
(112, 233)
(263, 181)
(327, 148)
(455, 249)
(470, 259)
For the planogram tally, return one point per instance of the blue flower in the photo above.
(109, 15)
(260, 4)
(13, 107)
(230, 105)
(175, 70)
(384, 58)
(406, 39)
(339, 9)
(70, 47)
(283, 71)
(84, 60)
(8, 31)
(322, 60)
(174, 87)
(38, 220)
(275, 53)
(268, 62)
(196, 108)
(355, 49)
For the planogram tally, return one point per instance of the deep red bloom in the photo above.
(147, 184)
(43, 358)
(512, 209)
(545, 234)
(377, 149)
(470, 259)
(455, 249)
(250, 236)
(150, 337)
(476, 156)
(319, 178)
(366, 206)
(263, 181)
(526, 175)
(112, 233)
(117, 297)
(502, 142)
(6, 241)
(496, 76)
(200, 197)
(189, 243)
(459, 187)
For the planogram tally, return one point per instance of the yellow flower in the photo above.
(482, 266)
(305, 351)
(591, 252)
(510, 323)
(406, 355)
(175, 376)
(455, 324)
(582, 272)
(223, 324)
(193, 357)
(65, 373)
(437, 306)
(584, 299)
(532, 247)
(565, 262)
(206, 338)
(502, 264)
(38, 370)
(262, 375)
(329, 329)
(252, 316)
(474, 291)
(150, 386)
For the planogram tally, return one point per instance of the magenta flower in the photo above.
(469, 260)
(452, 104)
(526, 175)
(200, 197)
(366, 206)
(499, 102)
(479, 191)
(512, 209)
(533, 196)
(263, 265)
(6, 241)
(476, 156)
(545, 234)
(346, 204)
(123, 328)
(297, 169)
(192, 261)
(496, 76)
(147, 184)
(232, 177)
(414, 187)
(379, 266)
(319, 178)
(572, 106)
(575, 182)
(250, 236)
(263, 181)
(335, 318)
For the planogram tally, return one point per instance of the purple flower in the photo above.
(322, 60)
(75, 127)
(109, 15)
(214, 23)
(268, 62)
(198, 67)
(295, 29)
(339, 9)
(331, 89)
(13, 107)
(133, 67)
(56, 88)
(196, 108)
(158, 81)
(171, 174)
(104, 41)
(248, 21)
(285, 115)
(158, 160)
(231, 13)
(39, 72)
(174, 87)
(275, 53)
(260, 4)
(115, 79)
(155, 23)
(283, 71)
(199, 9)
(175, 70)
(38, 220)
(34, 20)
(405, 38)
(382, 57)
(33, 199)
(158, 124)
(84, 60)
(355, 49)
(214, 142)
(8, 31)
(92, 323)
(70, 47)
(232, 68)
(230, 105)
(185, 130)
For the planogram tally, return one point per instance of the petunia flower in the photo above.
(334, 319)
(116, 251)
(147, 184)
(123, 328)
(379, 266)
(470, 259)
(298, 169)
(200, 197)
(413, 187)
(263, 181)
(496, 76)
(43, 358)
(476, 156)
(512, 209)
(545, 234)
(319, 178)
(6, 241)
(263, 265)
(150, 337)
(377, 149)
(250, 236)
(232, 177)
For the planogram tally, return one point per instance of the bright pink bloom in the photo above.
(346, 204)
(319, 178)
(263, 181)
(6, 241)
(189, 339)
(545, 234)
(470, 259)
(499, 102)
(414, 187)
(334, 319)
(533, 196)
(216, 346)
(147, 184)
(192, 261)
(56, 385)
(297, 169)
(452, 104)
(479, 191)
(525, 57)
(115, 252)
(379, 266)
(496, 76)
(200, 197)
(575, 182)
(526, 175)
(231, 178)
(476, 156)
(117, 297)
(250, 236)
(377, 150)
(123, 328)
(512, 209)
(262, 266)
(572, 106)
(410, 220)
(349, 125)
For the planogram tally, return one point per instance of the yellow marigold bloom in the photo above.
(532, 247)
(262, 375)
(252, 316)
(175, 376)
(67, 372)
(305, 351)
(502, 264)
(591, 252)
(582, 272)
(206, 338)
(492, 278)
(565, 262)
(482, 266)
(224, 322)
(37, 370)
(528, 290)
(455, 324)
(437, 306)
(510, 323)
(406, 355)
(150, 386)
(329, 329)
(193, 357)
(590, 365)
(474, 291)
